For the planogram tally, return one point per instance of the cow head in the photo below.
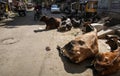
(44, 18)
(76, 51)
(107, 22)
(104, 60)
(72, 50)
(112, 41)
(86, 27)
(65, 25)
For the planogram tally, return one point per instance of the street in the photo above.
(23, 51)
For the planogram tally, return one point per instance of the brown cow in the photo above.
(83, 47)
(109, 62)
(51, 23)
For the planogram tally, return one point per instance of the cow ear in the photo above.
(99, 55)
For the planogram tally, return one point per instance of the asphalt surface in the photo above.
(23, 51)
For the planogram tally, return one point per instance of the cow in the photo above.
(65, 25)
(82, 47)
(87, 27)
(51, 23)
(109, 62)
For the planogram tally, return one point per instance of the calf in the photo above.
(112, 41)
(109, 62)
(82, 47)
(44, 19)
(51, 23)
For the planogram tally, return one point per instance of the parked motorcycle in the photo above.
(22, 12)
(21, 9)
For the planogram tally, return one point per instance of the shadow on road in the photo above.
(39, 30)
(72, 67)
(22, 21)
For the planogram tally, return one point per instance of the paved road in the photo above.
(22, 51)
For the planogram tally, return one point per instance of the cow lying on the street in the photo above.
(51, 23)
(82, 47)
(109, 62)
(113, 41)
(65, 25)
(76, 22)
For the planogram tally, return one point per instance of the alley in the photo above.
(23, 51)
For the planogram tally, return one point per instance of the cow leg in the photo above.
(60, 50)
(109, 71)
(47, 27)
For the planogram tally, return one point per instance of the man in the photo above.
(37, 10)
(38, 7)
(21, 8)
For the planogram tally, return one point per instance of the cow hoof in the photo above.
(60, 50)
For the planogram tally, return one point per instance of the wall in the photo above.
(111, 7)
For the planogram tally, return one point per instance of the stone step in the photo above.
(118, 32)
(111, 30)
(103, 33)
(116, 27)
(98, 26)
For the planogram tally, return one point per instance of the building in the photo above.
(111, 7)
